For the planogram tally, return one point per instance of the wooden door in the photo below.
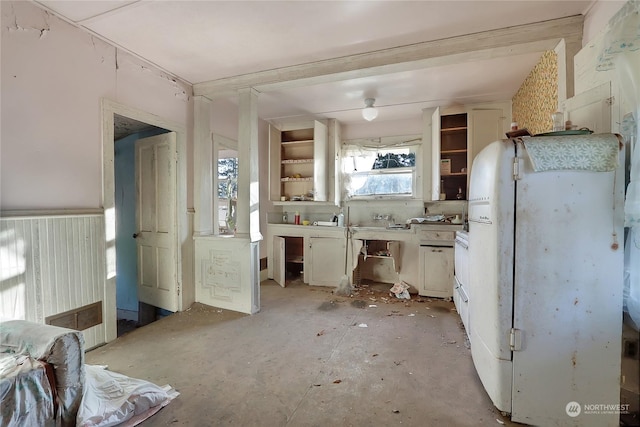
(157, 244)
(279, 269)
(320, 164)
(327, 260)
(436, 271)
(435, 155)
(590, 109)
(485, 126)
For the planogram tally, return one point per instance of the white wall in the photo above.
(53, 77)
(224, 121)
(382, 128)
(597, 18)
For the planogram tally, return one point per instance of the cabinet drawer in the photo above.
(436, 235)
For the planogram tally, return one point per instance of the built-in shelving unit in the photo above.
(296, 176)
(453, 156)
(298, 162)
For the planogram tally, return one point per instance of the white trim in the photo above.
(528, 38)
(46, 213)
(108, 109)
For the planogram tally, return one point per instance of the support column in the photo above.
(202, 167)
(248, 218)
(567, 50)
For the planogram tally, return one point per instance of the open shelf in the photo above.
(296, 161)
(304, 179)
(454, 129)
(454, 148)
(298, 142)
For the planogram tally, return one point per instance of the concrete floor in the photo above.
(304, 360)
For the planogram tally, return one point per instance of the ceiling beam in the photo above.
(527, 38)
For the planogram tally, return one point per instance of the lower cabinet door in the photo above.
(436, 271)
(325, 260)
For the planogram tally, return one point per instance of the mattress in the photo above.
(61, 348)
(25, 392)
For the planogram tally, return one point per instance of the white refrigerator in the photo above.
(546, 277)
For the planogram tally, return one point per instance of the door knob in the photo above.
(135, 235)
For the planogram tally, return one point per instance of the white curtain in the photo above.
(622, 53)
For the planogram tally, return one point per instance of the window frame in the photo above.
(386, 144)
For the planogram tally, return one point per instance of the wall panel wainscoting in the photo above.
(52, 264)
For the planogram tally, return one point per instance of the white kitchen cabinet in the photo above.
(454, 154)
(485, 126)
(288, 258)
(315, 255)
(590, 109)
(436, 271)
(299, 164)
(325, 260)
(458, 135)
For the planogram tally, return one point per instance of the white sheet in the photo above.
(25, 392)
(61, 348)
(111, 399)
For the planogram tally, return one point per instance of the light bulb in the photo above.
(369, 112)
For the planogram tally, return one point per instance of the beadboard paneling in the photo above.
(52, 264)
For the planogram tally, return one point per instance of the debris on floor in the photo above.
(358, 303)
(337, 381)
(344, 287)
(362, 325)
(400, 290)
(320, 333)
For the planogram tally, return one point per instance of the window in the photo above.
(227, 190)
(380, 168)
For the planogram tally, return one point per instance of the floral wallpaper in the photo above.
(537, 98)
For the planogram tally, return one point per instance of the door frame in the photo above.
(108, 109)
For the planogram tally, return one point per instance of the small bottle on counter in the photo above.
(296, 218)
(341, 219)
(459, 196)
(285, 218)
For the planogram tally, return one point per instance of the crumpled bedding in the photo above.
(25, 392)
(111, 399)
(62, 348)
(87, 396)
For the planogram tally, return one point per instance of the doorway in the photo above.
(120, 122)
(131, 312)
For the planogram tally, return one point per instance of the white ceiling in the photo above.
(199, 41)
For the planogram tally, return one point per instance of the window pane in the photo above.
(227, 178)
(382, 172)
(381, 184)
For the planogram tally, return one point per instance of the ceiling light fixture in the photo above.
(369, 112)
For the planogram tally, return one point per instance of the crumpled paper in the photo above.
(400, 290)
